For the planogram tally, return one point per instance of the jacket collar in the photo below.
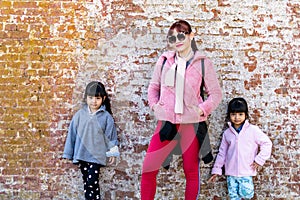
(245, 125)
(170, 55)
(101, 109)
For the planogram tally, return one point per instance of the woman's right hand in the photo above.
(213, 178)
(153, 107)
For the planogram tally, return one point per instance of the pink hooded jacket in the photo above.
(239, 150)
(162, 98)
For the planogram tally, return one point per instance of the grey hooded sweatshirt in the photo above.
(90, 136)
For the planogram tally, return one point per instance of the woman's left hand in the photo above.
(199, 111)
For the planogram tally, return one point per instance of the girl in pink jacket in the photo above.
(174, 96)
(243, 148)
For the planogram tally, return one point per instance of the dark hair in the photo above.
(183, 26)
(97, 89)
(237, 105)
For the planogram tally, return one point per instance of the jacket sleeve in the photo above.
(112, 137)
(70, 141)
(111, 131)
(221, 157)
(265, 145)
(155, 82)
(212, 87)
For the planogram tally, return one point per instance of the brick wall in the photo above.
(49, 50)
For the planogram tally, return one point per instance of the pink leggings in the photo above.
(157, 153)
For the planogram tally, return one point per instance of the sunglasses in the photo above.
(180, 37)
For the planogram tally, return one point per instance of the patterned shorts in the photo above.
(240, 187)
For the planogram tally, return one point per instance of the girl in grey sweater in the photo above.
(92, 137)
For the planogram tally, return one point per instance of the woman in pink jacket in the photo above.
(239, 151)
(174, 96)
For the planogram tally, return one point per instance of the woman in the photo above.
(174, 96)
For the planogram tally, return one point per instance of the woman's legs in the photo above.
(190, 155)
(156, 154)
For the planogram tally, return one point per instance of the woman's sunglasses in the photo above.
(180, 37)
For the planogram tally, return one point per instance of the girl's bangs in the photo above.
(238, 106)
(238, 110)
(93, 94)
(94, 91)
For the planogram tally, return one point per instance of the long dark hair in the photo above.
(183, 26)
(238, 104)
(97, 89)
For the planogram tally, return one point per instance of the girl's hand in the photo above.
(111, 160)
(254, 165)
(213, 178)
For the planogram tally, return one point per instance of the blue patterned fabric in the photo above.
(240, 187)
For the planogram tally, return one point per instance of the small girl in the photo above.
(92, 137)
(244, 147)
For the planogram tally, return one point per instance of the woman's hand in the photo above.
(213, 178)
(199, 110)
(201, 113)
(154, 106)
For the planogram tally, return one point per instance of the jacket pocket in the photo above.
(159, 111)
(193, 113)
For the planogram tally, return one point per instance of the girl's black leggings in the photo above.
(90, 175)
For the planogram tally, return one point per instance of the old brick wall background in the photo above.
(49, 50)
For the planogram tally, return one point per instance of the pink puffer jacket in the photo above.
(239, 150)
(162, 98)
